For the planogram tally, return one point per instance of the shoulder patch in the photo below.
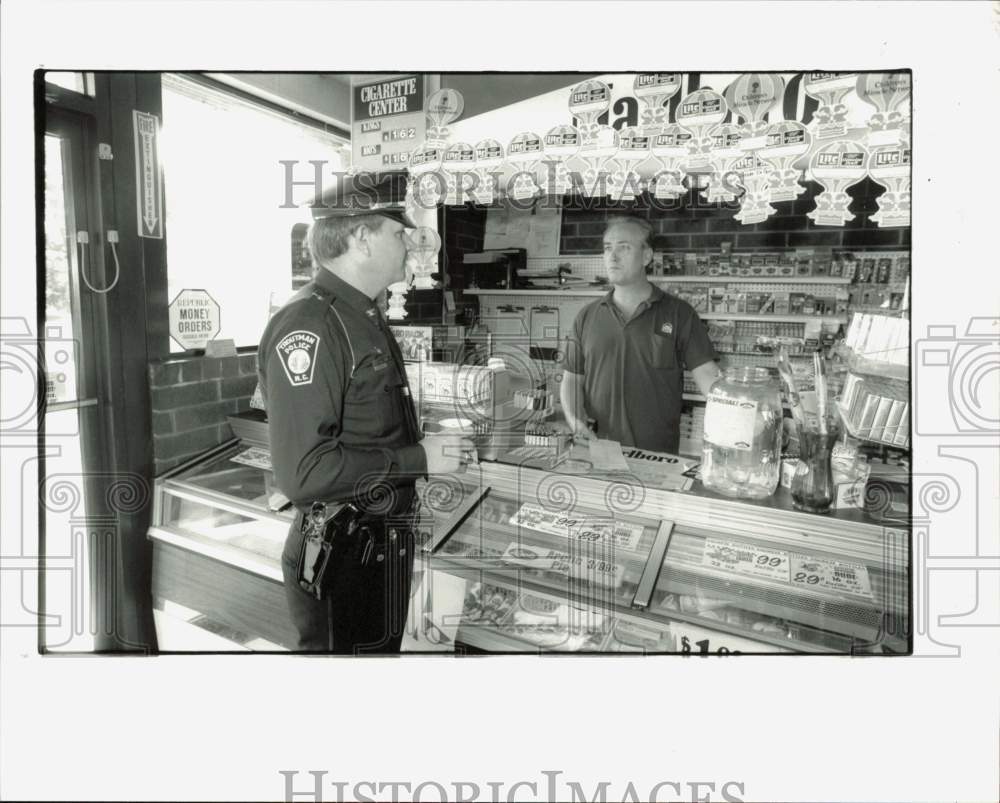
(297, 351)
(667, 329)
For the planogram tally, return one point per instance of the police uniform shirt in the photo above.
(341, 421)
(634, 370)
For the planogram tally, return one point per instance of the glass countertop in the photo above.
(573, 552)
(241, 471)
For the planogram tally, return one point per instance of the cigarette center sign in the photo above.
(387, 122)
(195, 318)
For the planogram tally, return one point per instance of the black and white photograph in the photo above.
(358, 395)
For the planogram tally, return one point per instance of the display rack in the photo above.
(875, 403)
(678, 574)
(708, 316)
(751, 279)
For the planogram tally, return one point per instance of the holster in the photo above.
(320, 526)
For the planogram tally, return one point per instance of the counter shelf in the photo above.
(821, 585)
(665, 582)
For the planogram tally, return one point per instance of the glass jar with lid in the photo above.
(741, 456)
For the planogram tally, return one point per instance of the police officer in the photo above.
(342, 423)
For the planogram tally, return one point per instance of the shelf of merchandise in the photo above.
(865, 434)
(538, 291)
(866, 366)
(750, 279)
(705, 316)
(737, 316)
(598, 293)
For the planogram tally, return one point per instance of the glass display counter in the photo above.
(219, 526)
(218, 530)
(518, 558)
(551, 565)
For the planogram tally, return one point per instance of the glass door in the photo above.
(73, 529)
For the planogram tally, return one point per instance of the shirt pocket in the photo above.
(664, 353)
(369, 407)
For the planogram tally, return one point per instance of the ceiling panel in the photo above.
(484, 92)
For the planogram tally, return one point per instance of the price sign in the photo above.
(746, 559)
(387, 120)
(693, 640)
(594, 570)
(831, 575)
(397, 134)
(623, 535)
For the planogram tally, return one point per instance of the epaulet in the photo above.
(321, 294)
(310, 295)
(308, 303)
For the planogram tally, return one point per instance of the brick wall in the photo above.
(694, 225)
(423, 307)
(464, 231)
(191, 398)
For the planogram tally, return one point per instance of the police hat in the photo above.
(365, 194)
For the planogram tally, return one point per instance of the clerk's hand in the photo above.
(581, 432)
(447, 453)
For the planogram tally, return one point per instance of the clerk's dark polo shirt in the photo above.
(341, 420)
(634, 370)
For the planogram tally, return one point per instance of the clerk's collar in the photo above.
(655, 297)
(343, 290)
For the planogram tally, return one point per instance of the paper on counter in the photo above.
(606, 455)
(543, 240)
(254, 456)
(496, 229)
(435, 613)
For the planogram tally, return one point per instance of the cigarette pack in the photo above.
(903, 430)
(858, 401)
(868, 413)
(892, 422)
(881, 416)
(851, 388)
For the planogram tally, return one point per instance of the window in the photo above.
(82, 82)
(223, 186)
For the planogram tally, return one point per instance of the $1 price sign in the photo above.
(704, 647)
(691, 640)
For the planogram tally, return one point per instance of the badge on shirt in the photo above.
(298, 356)
(667, 329)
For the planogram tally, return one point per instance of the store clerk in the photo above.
(624, 363)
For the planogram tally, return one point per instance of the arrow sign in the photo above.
(148, 175)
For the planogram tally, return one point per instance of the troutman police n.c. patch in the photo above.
(297, 351)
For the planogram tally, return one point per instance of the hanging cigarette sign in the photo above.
(836, 166)
(654, 90)
(195, 318)
(148, 175)
(387, 122)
